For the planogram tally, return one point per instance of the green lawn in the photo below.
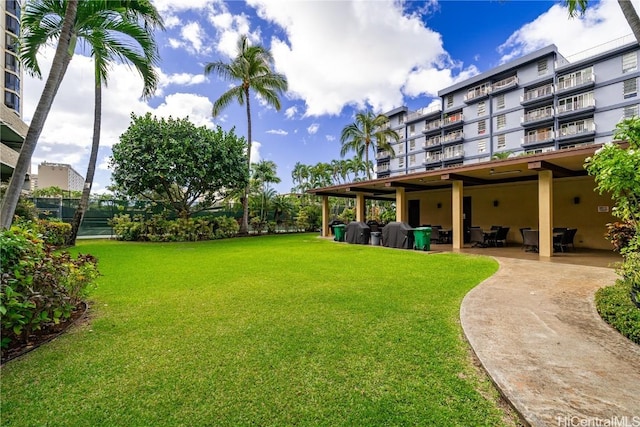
(269, 331)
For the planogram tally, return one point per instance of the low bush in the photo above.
(39, 287)
(617, 309)
(159, 229)
(54, 233)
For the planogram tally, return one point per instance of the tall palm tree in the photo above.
(629, 12)
(368, 131)
(64, 51)
(252, 69)
(265, 173)
(124, 34)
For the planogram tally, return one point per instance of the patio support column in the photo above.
(457, 229)
(545, 212)
(401, 205)
(361, 207)
(325, 216)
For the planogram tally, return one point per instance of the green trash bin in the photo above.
(422, 238)
(338, 232)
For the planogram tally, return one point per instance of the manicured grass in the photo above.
(269, 331)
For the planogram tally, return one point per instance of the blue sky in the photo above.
(338, 56)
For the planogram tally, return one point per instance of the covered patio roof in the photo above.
(563, 163)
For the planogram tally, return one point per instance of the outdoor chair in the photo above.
(566, 240)
(435, 235)
(499, 237)
(522, 235)
(530, 239)
(477, 237)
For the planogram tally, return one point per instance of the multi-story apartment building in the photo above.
(13, 130)
(540, 102)
(59, 175)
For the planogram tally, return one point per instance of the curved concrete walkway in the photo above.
(536, 331)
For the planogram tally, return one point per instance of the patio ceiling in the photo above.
(563, 163)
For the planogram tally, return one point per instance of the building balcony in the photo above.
(8, 156)
(432, 126)
(576, 82)
(537, 94)
(504, 84)
(537, 116)
(423, 112)
(432, 160)
(574, 108)
(453, 137)
(580, 129)
(453, 158)
(456, 119)
(538, 138)
(432, 143)
(477, 94)
(383, 156)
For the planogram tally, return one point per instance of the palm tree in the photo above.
(300, 177)
(367, 131)
(629, 12)
(105, 32)
(265, 173)
(252, 69)
(64, 51)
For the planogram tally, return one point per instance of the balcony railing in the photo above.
(478, 92)
(430, 142)
(452, 119)
(433, 158)
(539, 92)
(505, 83)
(432, 125)
(576, 128)
(538, 137)
(575, 106)
(453, 136)
(576, 80)
(537, 114)
(8, 156)
(383, 155)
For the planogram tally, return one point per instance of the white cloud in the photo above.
(601, 23)
(313, 129)
(194, 35)
(330, 138)
(103, 164)
(255, 157)
(172, 22)
(278, 132)
(364, 59)
(184, 79)
(290, 112)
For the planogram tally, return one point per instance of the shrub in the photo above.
(620, 234)
(257, 224)
(39, 288)
(617, 309)
(127, 228)
(224, 226)
(347, 215)
(271, 227)
(54, 232)
(159, 229)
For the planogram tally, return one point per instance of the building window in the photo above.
(542, 67)
(13, 6)
(482, 146)
(500, 101)
(630, 111)
(12, 100)
(482, 108)
(630, 88)
(449, 101)
(629, 62)
(501, 121)
(502, 141)
(412, 145)
(11, 42)
(482, 127)
(412, 130)
(400, 148)
(12, 25)
(412, 160)
(401, 162)
(11, 62)
(11, 81)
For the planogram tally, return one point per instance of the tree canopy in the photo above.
(172, 162)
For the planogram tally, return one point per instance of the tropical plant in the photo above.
(123, 34)
(501, 155)
(628, 10)
(175, 164)
(33, 30)
(252, 69)
(368, 131)
(265, 173)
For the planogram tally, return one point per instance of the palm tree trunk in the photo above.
(91, 167)
(366, 157)
(631, 16)
(244, 226)
(59, 66)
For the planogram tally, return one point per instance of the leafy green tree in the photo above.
(182, 167)
(368, 131)
(580, 6)
(252, 69)
(32, 26)
(56, 192)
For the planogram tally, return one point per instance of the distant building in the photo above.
(12, 129)
(59, 175)
(538, 103)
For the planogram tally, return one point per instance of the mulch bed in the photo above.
(38, 338)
